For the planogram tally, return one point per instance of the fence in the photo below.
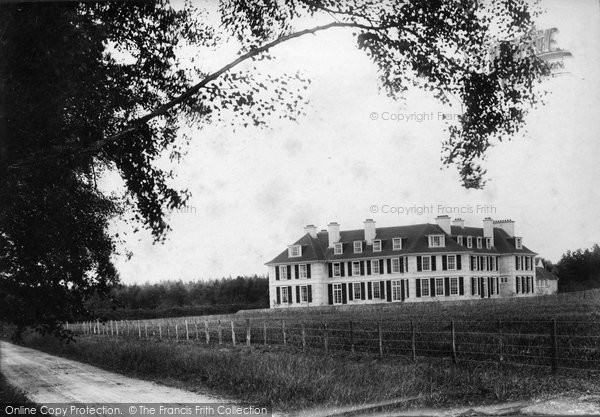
(541, 343)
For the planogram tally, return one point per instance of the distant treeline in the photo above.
(178, 298)
(579, 270)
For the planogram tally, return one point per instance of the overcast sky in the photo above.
(253, 190)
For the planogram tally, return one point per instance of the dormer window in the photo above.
(294, 251)
(337, 249)
(436, 241)
(479, 242)
(488, 243)
(357, 246)
(459, 240)
(377, 246)
(396, 243)
(469, 242)
(519, 243)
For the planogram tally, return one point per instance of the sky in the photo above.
(254, 190)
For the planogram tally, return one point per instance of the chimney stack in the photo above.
(458, 222)
(369, 231)
(444, 223)
(333, 230)
(507, 225)
(311, 229)
(488, 229)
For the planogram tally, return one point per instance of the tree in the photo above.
(72, 110)
(579, 270)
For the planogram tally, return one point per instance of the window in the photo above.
(284, 295)
(453, 286)
(426, 263)
(451, 262)
(475, 286)
(518, 285)
(396, 243)
(518, 243)
(337, 270)
(375, 267)
(302, 271)
(436, 241)
(459, 240)
(484, 286)
(377, 246)
(337, 249)
(356, 290)
(395, 265)
(304, 294)
(527, 261)
(493, 286)
(294, 251)
(503, 280)
(439, 286)
(358, 246)
(479, 242)
(425, 287)
(493, 263)
(283, 272)
(488, 243)
(376, 290)
(337, 293)
(355, 268)
(396, 291)
(469, 242)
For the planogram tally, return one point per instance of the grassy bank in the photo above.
(9, 394)
(293, 380)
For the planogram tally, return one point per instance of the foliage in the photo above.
(579, 270)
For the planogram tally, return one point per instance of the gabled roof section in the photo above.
(542, 273)
(311, 251)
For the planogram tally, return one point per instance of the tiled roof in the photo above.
(542, 273)
(414, 240)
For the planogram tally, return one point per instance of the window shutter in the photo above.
(419, 264)
(290, 294)
(309, 289)
(497, 260)
(277, 274)
(473, 280)
(461, 286)
(489, 287)
(342, 272)
(297, 271)
(389, 266)
(497, 281)
(330, 270)
(389, 290)
(459, 261)
(433, 267)
(481, 294)
(308, 271)
(344, 294)
(362, 290)
(447, 286)
(432, 287)
(444, 262)
(370, 289)
(402, 289)
(330, 292)
(407, 286)
(369, 267)
(362, 267)
(350, 292)
(278, 295)
(418, 282)
(472, 263)
(349, 269)
(381, 266)
(401, 264)
(516, 262)
(381, 289)
(406, 264)
(289, 272)
(298, 294)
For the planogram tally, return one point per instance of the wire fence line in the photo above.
(551, 343)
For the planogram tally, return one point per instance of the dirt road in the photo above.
(51, 379)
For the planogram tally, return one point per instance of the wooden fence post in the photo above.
(112, 328)
(326, 338)
(265, 332)
(303, 337)
(187, 332)
(206, 332)
(117, 328)
(380, 339)
(146, 330)
(413, 341)
(351, 336)
(139, 330)
(284, 335)
(453, 334)
(159, 331)
(554, 344)
(196, 328)
(220, 330)
(168, 331)
(247, 332)
(500, 342)
(232, 334)
(176, 331)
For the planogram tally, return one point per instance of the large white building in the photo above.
(415, 263)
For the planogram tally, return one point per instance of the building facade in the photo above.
(414, 263)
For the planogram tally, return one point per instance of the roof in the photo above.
(414, 240)
(543, 273)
